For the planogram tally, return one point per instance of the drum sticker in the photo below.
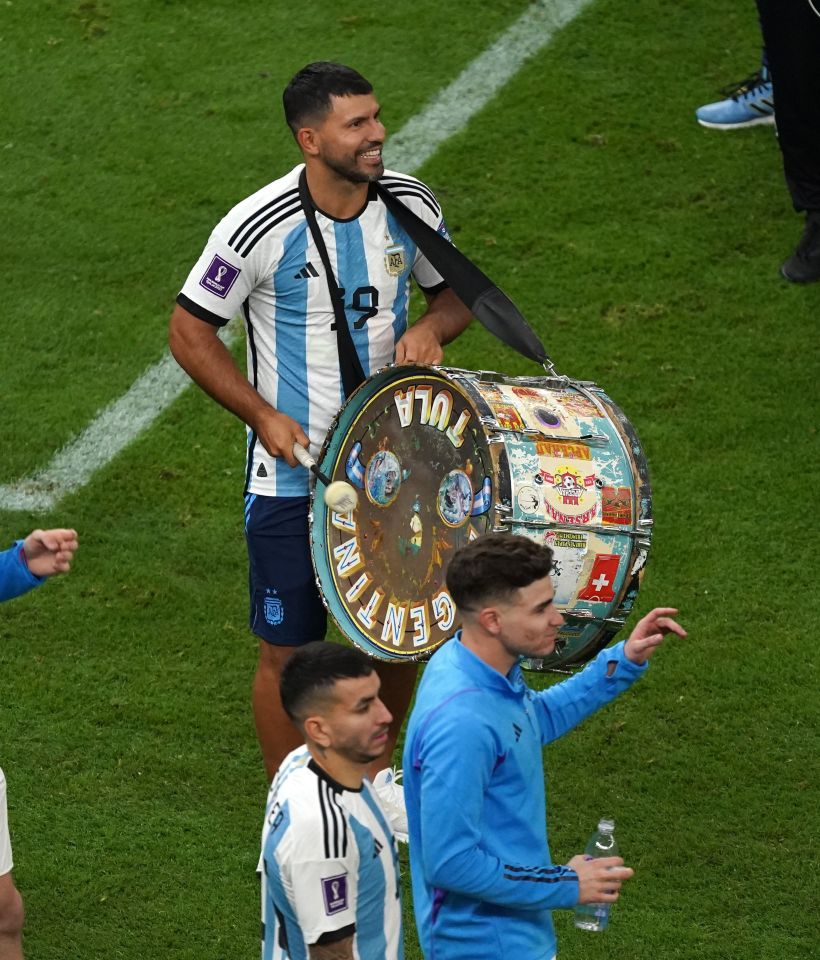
(537, 410)
(616, 505)
(569, 549)
(455, 498)
(528, 393)
(567, 539)
(578, 404)
(562, 450)
(483, 498)
(490, 392)
(353, 468)
(508, 416)
(600, 585)
(383, 478)
(568, 564)
(528, 500)
(570, 495)
(413, 535)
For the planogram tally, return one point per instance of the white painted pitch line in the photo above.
(443, 117)
(451, 109)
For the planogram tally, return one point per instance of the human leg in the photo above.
(11, 920)
(276, 734)
(791, 31)
(11, 903)
(285, 611)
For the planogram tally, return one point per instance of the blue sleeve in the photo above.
(15, 576)
(564, 705)
(455, 755)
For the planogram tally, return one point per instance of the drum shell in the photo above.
(563, 465)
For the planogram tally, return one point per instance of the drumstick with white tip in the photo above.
(340, 496)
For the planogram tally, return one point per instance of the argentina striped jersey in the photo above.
(329, 867)
(261, 261)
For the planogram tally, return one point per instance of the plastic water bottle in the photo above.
(595, 916)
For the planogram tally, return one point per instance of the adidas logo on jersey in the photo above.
(261, 472)
(306, 272)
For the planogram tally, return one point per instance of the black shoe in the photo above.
(803, 266)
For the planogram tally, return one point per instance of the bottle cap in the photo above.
(606, 825)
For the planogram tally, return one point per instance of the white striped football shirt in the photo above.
(261, 261)
(329, 866)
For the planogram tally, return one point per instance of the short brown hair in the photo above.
(494, 567)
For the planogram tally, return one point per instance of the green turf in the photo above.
(645, 250)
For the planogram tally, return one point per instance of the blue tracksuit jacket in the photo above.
(484, 884)
(15, 576)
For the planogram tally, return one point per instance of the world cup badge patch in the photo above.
(334, 890)
(395, 260)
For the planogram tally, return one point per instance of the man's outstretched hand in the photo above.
(649, 633)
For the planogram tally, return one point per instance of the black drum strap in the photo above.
(488, 304)
(350, 367)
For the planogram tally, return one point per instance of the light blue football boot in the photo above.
(748, 103)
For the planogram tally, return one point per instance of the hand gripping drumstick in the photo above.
(340, 496)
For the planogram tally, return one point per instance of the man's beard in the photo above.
(351, 172)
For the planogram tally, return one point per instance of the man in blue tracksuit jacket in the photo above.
(484, 884)
(25, 565)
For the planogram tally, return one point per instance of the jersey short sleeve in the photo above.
(323, 895)
(234, 261)
(218, 284)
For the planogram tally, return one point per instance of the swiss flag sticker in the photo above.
(602, 579)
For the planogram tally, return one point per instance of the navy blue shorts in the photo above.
(285, 606)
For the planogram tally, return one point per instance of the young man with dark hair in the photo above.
(330, 884)
(266, 259)
(484, 884)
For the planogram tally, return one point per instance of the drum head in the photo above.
(410, 441)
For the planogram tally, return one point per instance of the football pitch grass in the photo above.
(643, 248)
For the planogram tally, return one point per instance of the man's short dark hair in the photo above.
(307, 96)
(312, 670)
(494, 567)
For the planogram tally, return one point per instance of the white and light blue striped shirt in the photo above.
(329, 867)
(261, 260)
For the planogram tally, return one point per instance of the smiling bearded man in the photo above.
(320, 271)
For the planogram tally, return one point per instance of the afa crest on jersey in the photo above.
(395, 260)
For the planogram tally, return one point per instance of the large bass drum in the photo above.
(442, 456)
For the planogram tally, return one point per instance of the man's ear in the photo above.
(490, 620)
(307, 139)
(316, 729)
